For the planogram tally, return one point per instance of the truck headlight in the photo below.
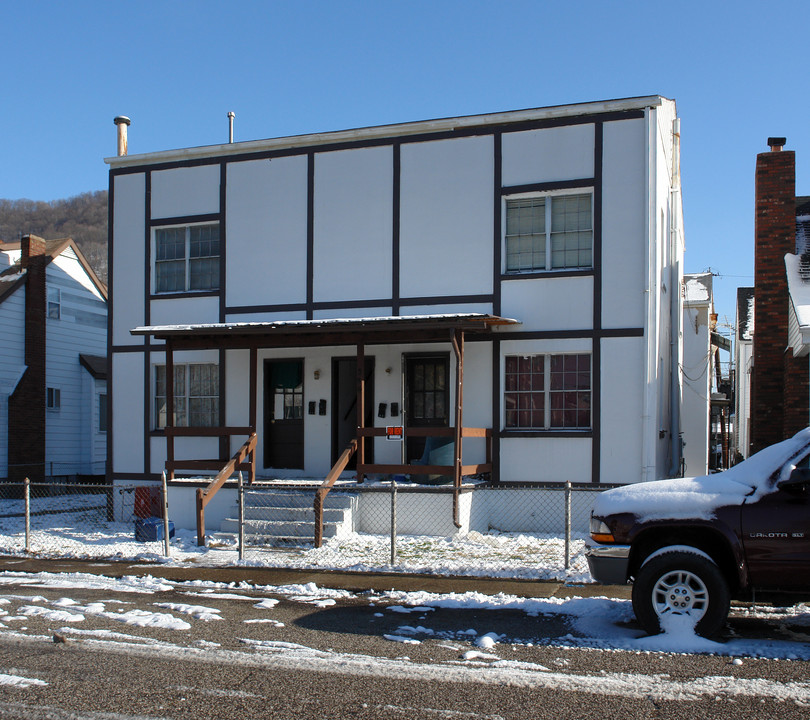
(600, 532)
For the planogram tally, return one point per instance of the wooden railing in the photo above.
(234, 464)
(466, 432)
(326, 486)
(456, 470)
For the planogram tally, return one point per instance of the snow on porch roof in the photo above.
(330, 328)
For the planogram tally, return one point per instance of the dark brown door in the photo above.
(427, 397)
(344, 406)
(284, 414)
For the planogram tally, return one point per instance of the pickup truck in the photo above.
(691, 545)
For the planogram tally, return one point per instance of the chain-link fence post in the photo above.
(393, 522)
(27, 495)
(567, 524)
(166, 547)
(241, 504)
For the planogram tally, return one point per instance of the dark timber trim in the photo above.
(110, 300)
(577, 184)
(185, 219)
(310, 234)
(147, 316)
(596, 358)
(395, 237)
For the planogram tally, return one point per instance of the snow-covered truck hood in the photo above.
(699, 497)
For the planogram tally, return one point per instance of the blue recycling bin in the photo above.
(151, 528)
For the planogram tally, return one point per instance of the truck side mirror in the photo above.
(798, 481)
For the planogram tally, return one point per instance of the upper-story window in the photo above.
(549, 232)
(187, 258)
(54, 303)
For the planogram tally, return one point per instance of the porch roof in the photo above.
(333, 331)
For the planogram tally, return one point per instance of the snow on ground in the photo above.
(595, 622)
(480, 651)
(534, 556)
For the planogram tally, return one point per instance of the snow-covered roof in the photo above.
(697, 289)
(700, 497)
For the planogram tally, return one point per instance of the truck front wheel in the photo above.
(681, 583)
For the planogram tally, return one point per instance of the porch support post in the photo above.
(169, 408)
(252, 385)
(361, 408)
(458, 349)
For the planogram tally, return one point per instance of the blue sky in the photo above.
(736, 70)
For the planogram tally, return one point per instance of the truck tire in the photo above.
(681, 583)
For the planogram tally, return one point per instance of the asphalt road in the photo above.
(316, 658)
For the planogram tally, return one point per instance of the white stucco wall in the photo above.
(622, 409)
(446, 217)
(128, 412)
(624, 236)
(548, 155)
(128, 258)
(267, 231)
(353, 224)
(185, 191)
(564, 303)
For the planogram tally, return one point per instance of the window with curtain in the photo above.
(196, 395)
(547, 392)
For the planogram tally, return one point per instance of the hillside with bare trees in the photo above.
(82, 217)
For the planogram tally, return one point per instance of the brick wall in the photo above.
(773, 382)
(26, 406)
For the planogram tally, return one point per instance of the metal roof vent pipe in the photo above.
(776, 144)
(122, 121)
(231, 116)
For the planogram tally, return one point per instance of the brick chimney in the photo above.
(777, 379)
(26, 405)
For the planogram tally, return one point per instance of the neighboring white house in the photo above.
(53, 397)
(697, 375)
(565, 219)
(743, 364)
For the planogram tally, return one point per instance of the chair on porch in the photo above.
(438, 451)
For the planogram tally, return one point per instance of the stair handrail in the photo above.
(326, 486)
(204, 496)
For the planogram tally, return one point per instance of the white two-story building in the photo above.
(528, 263)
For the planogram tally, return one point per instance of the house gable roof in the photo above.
(53, 248)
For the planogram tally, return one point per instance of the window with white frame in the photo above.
(187, 258)
(549, 232)
(196, 395)
(547, 392)
(54, 303)
(53, 399)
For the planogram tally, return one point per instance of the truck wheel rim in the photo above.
(680, 593)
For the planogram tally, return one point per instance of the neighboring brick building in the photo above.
(779, 380)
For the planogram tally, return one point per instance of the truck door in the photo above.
(776, 537)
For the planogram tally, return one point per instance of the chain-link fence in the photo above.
(69, 519)
(532, 532)
(497, 531)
